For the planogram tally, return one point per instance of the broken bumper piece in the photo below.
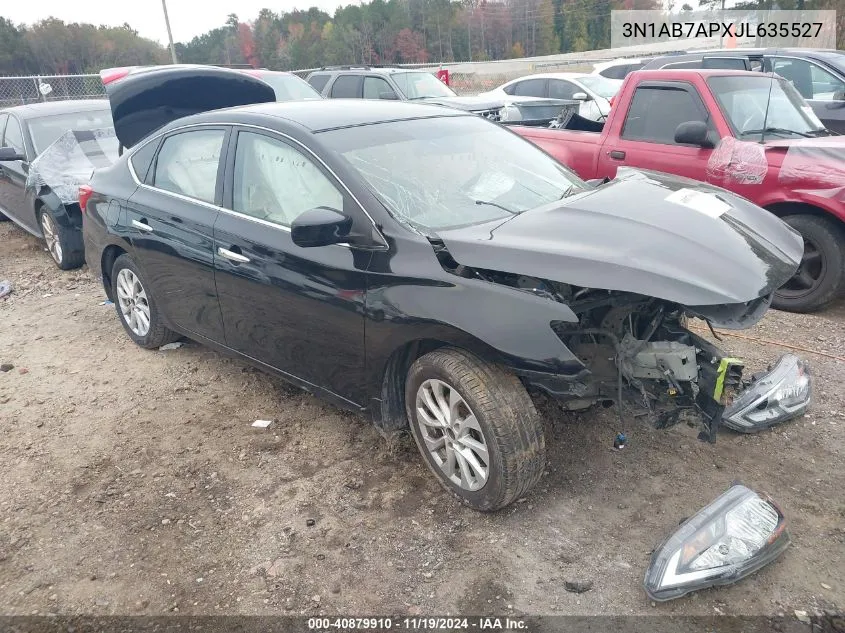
(781, 394)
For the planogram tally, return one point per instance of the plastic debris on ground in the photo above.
(620, 441)
(170, 346)
(107, 302)
(6, 288)
(262, 424)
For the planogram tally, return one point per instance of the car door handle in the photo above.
(232, 256)
(617, 154)
(142, 226)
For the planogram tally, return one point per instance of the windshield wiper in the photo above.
(497, 205)
(775, 130)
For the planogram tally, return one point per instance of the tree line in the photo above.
(378, 32)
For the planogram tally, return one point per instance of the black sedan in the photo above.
(39, 193)
(430, 268)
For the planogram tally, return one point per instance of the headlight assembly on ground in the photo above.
(781, 394)
(734, 536)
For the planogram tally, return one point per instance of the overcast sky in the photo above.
(188, 18)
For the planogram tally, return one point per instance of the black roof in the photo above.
(328, 114)
(832, 56)
(34, 110)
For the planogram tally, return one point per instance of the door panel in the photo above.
(647, 138)
(299, 310)
(13, 180)
(173, 233)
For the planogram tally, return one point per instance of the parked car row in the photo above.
(429, 268)
(434, 270)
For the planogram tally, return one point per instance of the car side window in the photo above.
(14, 135)
(812, 81)
(560, 89)
(318, 82)
(275, 182)
(187, 164)
(347, 86)
(142, 159)
(531, 88)
(375, 87)
(655, 112)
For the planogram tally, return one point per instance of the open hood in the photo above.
(143, 99)
(468, 104)
(652, 234)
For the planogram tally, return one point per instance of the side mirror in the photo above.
(10, 154)
(839, 95)
(693, 133)
(581, 96)
(390, 96)
(320, 226)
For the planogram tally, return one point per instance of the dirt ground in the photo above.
(132, 482)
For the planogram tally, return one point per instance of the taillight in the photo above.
(85, 193)
(611, 100)
(113, 74)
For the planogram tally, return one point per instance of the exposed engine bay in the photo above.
(640, 355)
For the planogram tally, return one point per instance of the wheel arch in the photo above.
(787, 208)
(390, 416)
(107, 259)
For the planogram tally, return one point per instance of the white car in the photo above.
(593, 91)
(619, 68)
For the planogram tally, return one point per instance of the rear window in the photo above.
(46, 130)
(142, 159)
(289, 87)
(347, 86)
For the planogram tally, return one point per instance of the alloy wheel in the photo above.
(809, 275)
(133, 302)
(452, 435)
(51, 236)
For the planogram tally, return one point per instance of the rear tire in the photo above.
(64, 243)
(821, 276)
(488, 420)
(136, 308)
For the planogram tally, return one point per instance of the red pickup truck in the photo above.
(749, 133)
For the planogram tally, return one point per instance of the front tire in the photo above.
(821, 275)
(476, 427)
(136, 307)
(63, 243)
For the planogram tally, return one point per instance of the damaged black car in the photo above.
(433, 270)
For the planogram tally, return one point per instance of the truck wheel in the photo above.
(476, 427)
(821, 275)
(64, 244)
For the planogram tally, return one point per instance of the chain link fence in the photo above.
(465, 78)
(34, 89)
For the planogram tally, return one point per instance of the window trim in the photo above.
(228, 200)
(376, 230)
(218, 186)
(21, 128)
(684, 86)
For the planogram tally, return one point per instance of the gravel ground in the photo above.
(131, 482)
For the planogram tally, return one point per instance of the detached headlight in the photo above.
(734, 536)
(510, 113)
(781, 394)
